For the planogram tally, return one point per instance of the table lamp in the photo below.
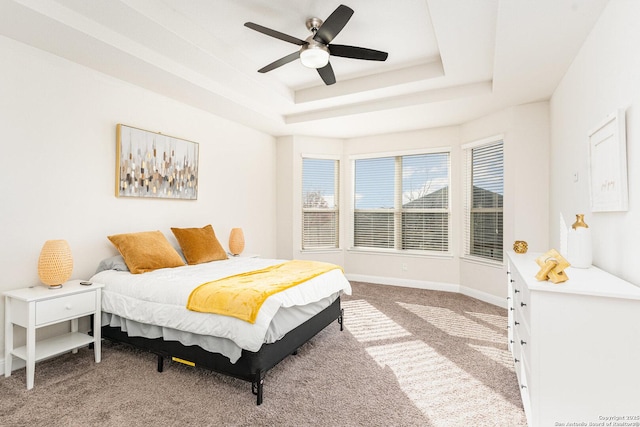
(55, 263)
(236, 241)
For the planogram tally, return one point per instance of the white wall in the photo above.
(284, 198)
(57, 167)
(602, 78)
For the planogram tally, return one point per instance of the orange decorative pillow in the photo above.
(146, 251)
(199, 244)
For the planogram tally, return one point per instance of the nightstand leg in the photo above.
(8, 338)
(31, 356)
(74, 328)
(97, 337)
(97, 325)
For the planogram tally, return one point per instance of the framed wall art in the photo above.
(608, 165)
(154, 165)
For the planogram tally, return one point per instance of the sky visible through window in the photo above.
(322, 181)
(421, 175)
(374, 183)
(488, 168)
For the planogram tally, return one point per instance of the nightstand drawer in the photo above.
(67, 307)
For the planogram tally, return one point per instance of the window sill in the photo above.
(481, 261)
(317, 251)
(387, 252)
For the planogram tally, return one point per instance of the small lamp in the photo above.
(236, 241)
(55, 263)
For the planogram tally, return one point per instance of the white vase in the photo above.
(579, 246)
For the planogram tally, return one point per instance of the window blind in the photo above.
(483, 207)
(320, 215)
(402, 202)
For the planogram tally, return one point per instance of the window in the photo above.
(484, 191)
(320, 203)
(402, 202)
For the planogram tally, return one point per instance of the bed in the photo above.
(149, 312)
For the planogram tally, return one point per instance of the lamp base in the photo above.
(55, 286)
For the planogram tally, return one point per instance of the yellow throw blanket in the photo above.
(242, 295)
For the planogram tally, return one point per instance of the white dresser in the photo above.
(576, 345)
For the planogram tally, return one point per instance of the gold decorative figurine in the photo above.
(520, 247)
(552, 266)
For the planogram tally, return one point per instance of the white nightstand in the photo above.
(39, 306)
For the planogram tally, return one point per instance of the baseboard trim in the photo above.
(17, 364)
(407, 283)
(431, 286)
(483, 296)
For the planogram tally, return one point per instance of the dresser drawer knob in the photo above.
(523, 304)
(522, 342)
(516, 360)
(516, 323)
(511, 280)
(523, 387)
(516, 291)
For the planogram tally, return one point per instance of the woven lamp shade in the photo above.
(236, 241)
(55, 263)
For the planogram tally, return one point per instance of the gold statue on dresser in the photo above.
(552, 266)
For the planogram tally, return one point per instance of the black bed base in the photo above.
(252, 366)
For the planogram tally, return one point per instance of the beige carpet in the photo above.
(407, 358)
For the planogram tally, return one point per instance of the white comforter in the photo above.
(160, 298)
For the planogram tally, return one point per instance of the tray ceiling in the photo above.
(450, 61)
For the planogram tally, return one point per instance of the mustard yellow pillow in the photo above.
(199, 244)
(146, 251)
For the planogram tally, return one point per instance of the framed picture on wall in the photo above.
(154, 165)
(608, 165)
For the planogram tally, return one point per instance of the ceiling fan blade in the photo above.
(333, 24)
(274, 33)
(327, 74)
(280, 62)
(357, 52)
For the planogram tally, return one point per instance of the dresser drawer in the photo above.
(525, 389)
(524, 342)
(71, 306)
(521, 299)
(514, 345)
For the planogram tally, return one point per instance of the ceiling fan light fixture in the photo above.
(314, 55)
(316, 49)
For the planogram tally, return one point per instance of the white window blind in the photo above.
(483, 208)
(320, 217)
(402, 202)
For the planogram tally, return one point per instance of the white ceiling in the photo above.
(450, 61)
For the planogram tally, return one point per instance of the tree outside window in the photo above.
(320, 219)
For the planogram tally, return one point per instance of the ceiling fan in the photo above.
(316, 49)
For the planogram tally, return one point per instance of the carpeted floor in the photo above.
(407, 357)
